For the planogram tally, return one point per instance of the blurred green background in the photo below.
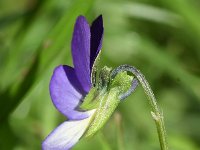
(160, 37)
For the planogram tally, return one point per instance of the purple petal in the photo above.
(96, 39)
(66, 93)
(81, 52)
(67, 134)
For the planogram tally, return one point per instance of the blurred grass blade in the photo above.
(8, 20)
(8, 100)
(151, 13)
(21, 44)
(190, 13)
(163, 60)
(144, 11)
(6, 133)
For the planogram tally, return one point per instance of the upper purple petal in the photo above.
(81, 52)
(66, 93)
(96, 39)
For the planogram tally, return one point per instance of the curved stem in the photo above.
(155, 112)
(131, 90)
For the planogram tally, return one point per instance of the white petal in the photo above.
(67, 134)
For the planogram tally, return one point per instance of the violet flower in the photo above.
(88, 96)
(68, 86)
(76, 93)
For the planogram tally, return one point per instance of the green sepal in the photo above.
(95, 69)
(108, 103)
(90, 101)
(105, 99)
(122, 81)
(104, 78)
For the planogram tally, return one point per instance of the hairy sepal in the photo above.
(105, 101)
(122, 81)
(95, 67)
(107, 104)
(91, 101)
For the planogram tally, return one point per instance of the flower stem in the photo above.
(155, 112)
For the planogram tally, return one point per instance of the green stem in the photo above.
(156, 114)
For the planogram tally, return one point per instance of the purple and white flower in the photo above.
(88, 100)
(69, 85)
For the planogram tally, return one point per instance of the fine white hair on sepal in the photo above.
(67, 134)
